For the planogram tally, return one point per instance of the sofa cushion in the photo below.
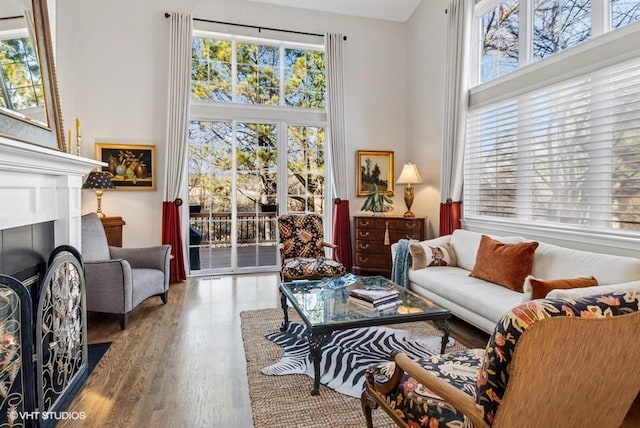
(535, 288)
(465, 244)
(577, 293)
(423, 256)
(552, 261)
(504, 264)
(454, 284)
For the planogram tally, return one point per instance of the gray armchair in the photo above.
(119, 279)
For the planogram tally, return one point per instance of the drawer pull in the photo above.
(365, 223)
(409, 226)
(364, 234)
(364, 246)
(364, 259)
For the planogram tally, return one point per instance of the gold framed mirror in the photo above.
(29, 100)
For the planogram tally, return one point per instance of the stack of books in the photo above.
(374, 298)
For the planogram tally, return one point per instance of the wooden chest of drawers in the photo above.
(371, 252)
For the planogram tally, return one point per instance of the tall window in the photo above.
(558, 145)
(256, 141)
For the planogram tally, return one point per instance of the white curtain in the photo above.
(178, 113)
(180, 33)
(341, 230)
(456, 98)
(333, 44)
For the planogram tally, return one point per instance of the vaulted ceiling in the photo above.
(392, 10)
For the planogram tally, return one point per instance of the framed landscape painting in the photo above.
(132, 166)
(374, 168)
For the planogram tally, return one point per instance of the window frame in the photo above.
(280, 44)
(600, 26)
(608, 48)
(281, 115)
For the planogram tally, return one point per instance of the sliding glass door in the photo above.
(233, 195)
(241, 176)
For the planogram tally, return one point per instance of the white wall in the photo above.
(426, 42)
(112, 59)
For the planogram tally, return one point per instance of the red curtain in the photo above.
(450, 214)
(172, 235)
(342, 233)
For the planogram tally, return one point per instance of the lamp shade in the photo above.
(98, 180)
(409, 174)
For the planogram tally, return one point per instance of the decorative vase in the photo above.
(113, 164)
(141, 171)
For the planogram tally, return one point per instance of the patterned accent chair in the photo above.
(302, 249)
(549, 363)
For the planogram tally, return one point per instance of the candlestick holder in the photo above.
(79, 145)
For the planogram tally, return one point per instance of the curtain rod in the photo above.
(11, 17)
(257, 27)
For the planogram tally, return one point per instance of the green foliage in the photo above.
(375, 200)
(21, 75)
(258, 74)
(261, 70)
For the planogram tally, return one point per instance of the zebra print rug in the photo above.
(347, 354)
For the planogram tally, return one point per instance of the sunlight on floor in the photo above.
(242, 292)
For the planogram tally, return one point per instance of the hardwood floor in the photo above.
(183, 365)
(176, 365)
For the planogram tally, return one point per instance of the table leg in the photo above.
(316, 341)
(443, 325)
(283, 303)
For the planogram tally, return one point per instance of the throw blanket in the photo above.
(348, 353)
(400, 270)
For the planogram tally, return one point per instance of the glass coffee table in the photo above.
(324, 307)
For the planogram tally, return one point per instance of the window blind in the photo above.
(565, 154)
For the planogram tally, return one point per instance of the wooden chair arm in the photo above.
(327, 244)
(458, 399)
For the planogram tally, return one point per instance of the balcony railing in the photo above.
(251, 227)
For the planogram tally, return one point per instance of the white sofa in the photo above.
(483, 303)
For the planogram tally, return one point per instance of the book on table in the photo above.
(391, 302)
(373, 295)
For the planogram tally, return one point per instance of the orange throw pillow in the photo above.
(504, 264)
(541, 287)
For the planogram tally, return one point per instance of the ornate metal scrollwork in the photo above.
(16, 369)
(61, 330)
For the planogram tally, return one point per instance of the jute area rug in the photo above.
(286, 401)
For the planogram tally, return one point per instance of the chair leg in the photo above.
(165, 297)
(367, 403)
(124, 321)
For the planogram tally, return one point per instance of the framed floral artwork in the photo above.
(374, 169)
(132, 166)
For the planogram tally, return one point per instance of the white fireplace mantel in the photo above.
(38, 184)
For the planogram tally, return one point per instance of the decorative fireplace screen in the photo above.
(35, 396)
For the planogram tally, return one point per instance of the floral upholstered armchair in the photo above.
(302, 249)
(549, 363)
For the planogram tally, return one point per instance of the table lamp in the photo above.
(409, 176)
(99, 181)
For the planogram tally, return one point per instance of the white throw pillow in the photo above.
(576, 293)
(423, 256)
